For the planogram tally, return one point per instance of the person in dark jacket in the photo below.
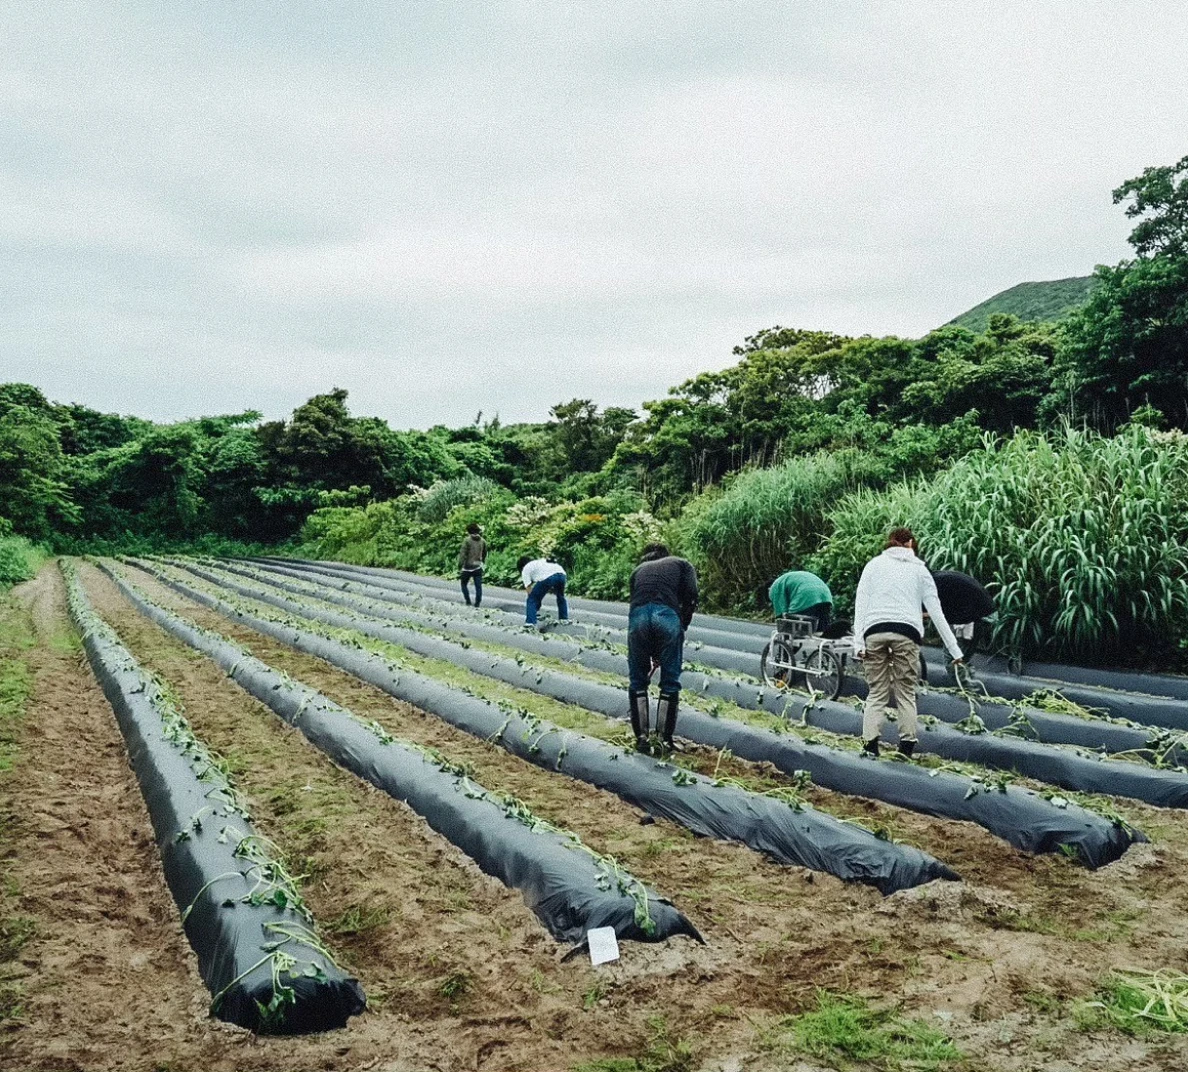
(471, 560)
(663, 598)
(966, 604)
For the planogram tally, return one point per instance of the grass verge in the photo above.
(844, 1028)
(1139, 1002)
(16, 685)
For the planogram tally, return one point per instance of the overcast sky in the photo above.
(454, 206)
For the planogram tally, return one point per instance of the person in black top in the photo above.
(663, 598)
(966, 604)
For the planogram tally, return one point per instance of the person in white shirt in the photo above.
(888, 631)
(540, 577)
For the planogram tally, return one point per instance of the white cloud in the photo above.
(452, 207)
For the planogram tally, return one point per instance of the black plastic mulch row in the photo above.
(789, 835)
(569, 889)
(232, 933)
(1153, 699)
(1058, 674)
(1021, 817)
(1089, 733)
(1091, 774)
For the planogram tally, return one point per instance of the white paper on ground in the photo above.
(604, 946)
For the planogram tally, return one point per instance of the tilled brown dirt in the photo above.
(464, 975)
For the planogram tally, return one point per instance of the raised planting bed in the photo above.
(570, 887)
(710, 622)
(1152, 699)
(512, 604)
(1090, 773)
(1024, 818)
(733, 661)
(1097, 734)
(1166, 711)
(258, 952)
(1057, 675)
(739, 652)
(781, 826)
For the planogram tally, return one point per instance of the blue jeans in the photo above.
(477, 576)
(554, 584)
(654, 632)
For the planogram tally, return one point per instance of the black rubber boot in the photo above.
(906, 748)
(871, 747)
(640, 719)
(666, 718)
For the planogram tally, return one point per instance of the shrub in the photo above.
(436, 503)
(858, 527)
(19, 560)
(766, 521)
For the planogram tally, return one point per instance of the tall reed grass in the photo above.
(767, 521)
(1083, 539)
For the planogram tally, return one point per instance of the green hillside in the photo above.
(1048, 300)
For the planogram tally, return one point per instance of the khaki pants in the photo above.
(892, 665)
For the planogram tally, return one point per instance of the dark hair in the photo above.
(473, 528)
(900, 537)
(653, 551)
(524, 560)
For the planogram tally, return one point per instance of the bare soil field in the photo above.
(97, 972)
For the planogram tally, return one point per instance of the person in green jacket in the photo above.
(801, 592)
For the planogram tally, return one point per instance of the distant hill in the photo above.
(1049, 300)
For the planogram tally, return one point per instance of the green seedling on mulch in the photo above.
(1097, 804)
(1055, 702)
(789, 794)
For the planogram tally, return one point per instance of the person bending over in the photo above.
(663, 598)
(801, 592)
(888, 630)
(471, 560)
(540, 577)
(967, 605)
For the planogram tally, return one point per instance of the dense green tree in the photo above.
(33, 495)
(85, 430)
(585, 439)
(1129, 346)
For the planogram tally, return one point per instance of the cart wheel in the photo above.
(777, 664)
(824, 674)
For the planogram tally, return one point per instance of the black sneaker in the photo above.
(871, 747)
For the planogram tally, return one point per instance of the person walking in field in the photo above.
(540, 577)
(471, 560)
(804, 593)
(888, 630)
(663, 598)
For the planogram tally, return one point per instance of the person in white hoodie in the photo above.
(888, 631)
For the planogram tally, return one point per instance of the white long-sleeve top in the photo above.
(893, 588)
